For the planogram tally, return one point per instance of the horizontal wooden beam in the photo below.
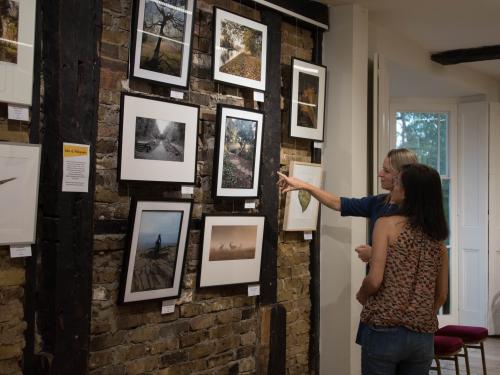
(308, 11)
(458, 56)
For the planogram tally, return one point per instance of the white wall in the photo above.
(345, 162)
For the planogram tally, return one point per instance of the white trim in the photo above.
(293, 14)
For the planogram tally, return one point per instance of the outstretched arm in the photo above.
(287, 184)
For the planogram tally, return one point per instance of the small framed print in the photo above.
(231, 250)
(237, 152)
(240, 50)
(301, 208)
(307, 102)
(17, 41)
(158, 140)
(157, 242)
(162, 41)
(19, 176)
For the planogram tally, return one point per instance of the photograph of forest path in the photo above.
(156, 253)
(239, 153)
(163, 36)
(241, 50)
(308, 101)
(159, 139)
(233, 242)
(9, 30)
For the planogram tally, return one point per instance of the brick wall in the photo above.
(12, 277)
(212, 331)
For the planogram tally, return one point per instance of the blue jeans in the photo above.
(396, 351)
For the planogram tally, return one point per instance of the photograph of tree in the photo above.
(239, 153)
(159, 139)
(9, 30)
(163, 36)
(241, 50)
(308, 100)
(232, 242)
(156, 252)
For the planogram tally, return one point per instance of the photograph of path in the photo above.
(9, 30)
(241, 50)
(159, 139)
(239, 153)
(233, 242)
(156, 253)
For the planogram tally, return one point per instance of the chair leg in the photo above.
(483, 357)
(466, 357)
(457, 367)
(438, 365)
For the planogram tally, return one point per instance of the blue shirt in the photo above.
(371, 207)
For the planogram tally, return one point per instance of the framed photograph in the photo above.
(161, 41)
(307, 102)
(231, 250)
(157, 246)
(157, 140)
(237, 152)
(301, 208)
(240, 50)
(17, 41)
(19, 176)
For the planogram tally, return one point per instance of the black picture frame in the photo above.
(230, 167)
(236, 270)
(315, 131)
(145, 72)
(145, 221)
(219, 15)
(135, 163)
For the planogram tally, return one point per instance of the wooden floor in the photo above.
(492, 349)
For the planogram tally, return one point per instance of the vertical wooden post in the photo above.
(71, 40)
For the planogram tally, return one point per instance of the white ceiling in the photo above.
(440, 25)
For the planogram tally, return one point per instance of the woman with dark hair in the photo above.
(408, 278)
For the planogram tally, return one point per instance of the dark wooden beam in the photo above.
(271, 158)
(71, 33)
(311, 12)
(459, 56)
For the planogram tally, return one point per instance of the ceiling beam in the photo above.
(458, 56)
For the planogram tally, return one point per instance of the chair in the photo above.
(473, 338)
(447, 348)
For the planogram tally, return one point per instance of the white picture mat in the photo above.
(162, 77)
(157, 206)
(314, 70)
(230, 271)
(295, 219)
(246, 115)
(221, 15)
(19, 197)
(157, 170)
(16, 80)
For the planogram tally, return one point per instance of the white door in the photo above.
(473, 213)
(429, 129)
(494, 242)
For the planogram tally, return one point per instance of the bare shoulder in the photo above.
(391, 225)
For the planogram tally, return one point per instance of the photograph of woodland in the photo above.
(9, 30)
(239, 153)
(163, 36)
(156, 253)
(241, 50)
(159, 139)
(233, 242)
(307, 105)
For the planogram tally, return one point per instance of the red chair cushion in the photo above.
(467, 333)
(447, 345)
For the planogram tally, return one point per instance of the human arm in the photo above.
(372, 282)
(287, 184)
(441, 293)
(364, 252)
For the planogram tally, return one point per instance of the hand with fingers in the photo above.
(364, 252)
(286, 183)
